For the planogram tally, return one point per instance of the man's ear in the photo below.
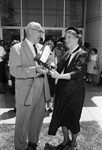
(30, 31)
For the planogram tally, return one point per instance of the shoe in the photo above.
(84, 77)
(14, 110)
(99, 84)
(73, 146)
(2, 92)
(50, 110)
(61, 146)
(32, 145)
(88, 81)
(69, 143)
(28, 148)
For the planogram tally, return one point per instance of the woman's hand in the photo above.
(54, 74)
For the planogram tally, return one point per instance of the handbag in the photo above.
(95, 71)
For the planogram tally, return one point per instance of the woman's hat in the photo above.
(74, 29)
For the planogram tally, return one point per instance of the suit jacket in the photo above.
(23, 68)
(70, 94)
(77, 67)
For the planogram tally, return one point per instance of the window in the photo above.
(53, 35)
(10, 13)
(53, 13)
(31, 11)
(74, 13)
(11, 34)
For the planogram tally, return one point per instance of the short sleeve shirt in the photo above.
(2, 53)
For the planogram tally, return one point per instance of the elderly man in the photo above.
(31, 88)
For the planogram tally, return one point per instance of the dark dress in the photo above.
(70, 94)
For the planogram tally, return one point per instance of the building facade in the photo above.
(54, 15)
(93, 29)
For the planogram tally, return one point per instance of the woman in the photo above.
(59, 52)
(92, 67)
(56, 58)
(70, 91)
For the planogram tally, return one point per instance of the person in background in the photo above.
(47, 48)
(11, 79)
(92, 67)
(62, 40)
(5, 59)
(2, 66)
(31, 88)
(59, 52)
(86, 47)
(51, 63)
(70, 90)
(41, 41)
(100, 80)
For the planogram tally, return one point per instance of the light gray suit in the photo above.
(31, 94)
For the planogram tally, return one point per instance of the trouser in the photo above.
(28, 122)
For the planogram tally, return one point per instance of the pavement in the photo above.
(92, 110)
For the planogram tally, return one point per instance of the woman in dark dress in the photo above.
(70, 91)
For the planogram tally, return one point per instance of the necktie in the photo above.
(35, 49)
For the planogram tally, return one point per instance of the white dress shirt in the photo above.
(2, 53)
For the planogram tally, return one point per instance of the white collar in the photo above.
(29, 43)
(71, 51)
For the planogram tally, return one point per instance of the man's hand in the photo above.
(41, 70)
(37, 58)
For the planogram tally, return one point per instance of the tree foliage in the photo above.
(8, 14)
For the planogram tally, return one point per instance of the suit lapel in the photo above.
(28, 52)
(73, 55)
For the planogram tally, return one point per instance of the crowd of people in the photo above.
(55, 85)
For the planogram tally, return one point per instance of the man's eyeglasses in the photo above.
(40, 31)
